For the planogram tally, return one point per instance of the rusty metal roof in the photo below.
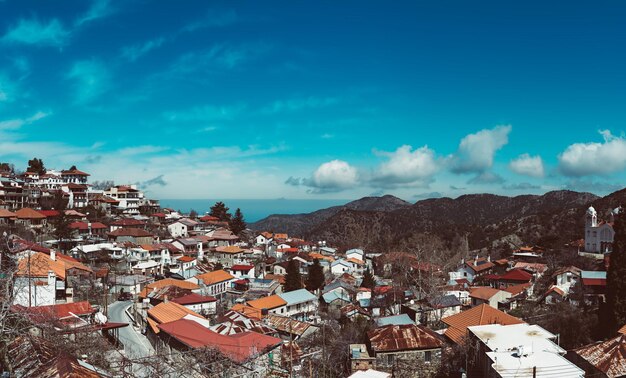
(49, 362)
(609, 356)
(285, 324)
(403, 337)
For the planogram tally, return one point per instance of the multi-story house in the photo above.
(129, 198)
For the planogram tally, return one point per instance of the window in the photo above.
(427, 356)
(390, 359)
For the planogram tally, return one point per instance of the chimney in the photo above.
(165, 299)
(51, 278)
(53, 255)
(476, 260)
(489, 258)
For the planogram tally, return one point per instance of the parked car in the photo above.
(125, 296)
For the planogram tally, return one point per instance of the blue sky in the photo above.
(318, 99)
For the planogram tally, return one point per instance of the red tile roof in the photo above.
(134, 232)
(85, 226)
(609, 357)
(49, 213)
(594, 281)
(518, 275)
(193, 298)
(244, 268)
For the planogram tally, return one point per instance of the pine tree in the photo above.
(220, 211)
(237, 224)
(616, 278)
(368, 279)
(36, 165)
(293, 279)
(193, 214)
(315, 278)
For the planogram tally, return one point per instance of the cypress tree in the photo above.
(616, 278)
(293, 279)
(237, 224)
(368, 279)
(315, 279)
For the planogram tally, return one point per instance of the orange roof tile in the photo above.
(269, 303)
(356, 261)
(622, 330)
(278, 277)
(248, 311)
(172, 282)
(40, 265)
(479, 315)
(484, 293)
(166, 312)
(28, 213)
(229, 249)
(214, 277)
(7, 214)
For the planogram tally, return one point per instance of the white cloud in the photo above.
(98, 9)
(207, 113)
(406, 167)
(296, 104)
(213, 18)
(34, 32)
(528, 165)
(593, 158)
(135, 52)
(476, 151)
(334, 175)
(91, 79)
(17, 123)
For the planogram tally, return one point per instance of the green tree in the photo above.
(193, 214)
(237, 224)
(73, 168)
(368, 279)
(616, 278)
(61, 223)
(315, 278)
(220, 211)
(36, 165)
(293, 279)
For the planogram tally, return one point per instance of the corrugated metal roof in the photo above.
(403, 337)
(297, 296)
(169, 312)
(286, 324)
(402, 319)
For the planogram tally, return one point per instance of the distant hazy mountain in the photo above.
(300, 224)
(387, 223)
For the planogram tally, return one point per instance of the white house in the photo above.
(182, 227)
(341, 266)
(214, 283)
(301, 304)
(242, 271)
(598, 236)
(355, 254)
(204, 305)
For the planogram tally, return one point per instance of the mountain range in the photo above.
(477, 220)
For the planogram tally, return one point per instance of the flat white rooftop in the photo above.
(516, 349)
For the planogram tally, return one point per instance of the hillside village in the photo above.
(101, 281)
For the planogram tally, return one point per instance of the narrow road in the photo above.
(135, 344)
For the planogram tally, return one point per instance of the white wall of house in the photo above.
(203, 308)
(178, 229)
